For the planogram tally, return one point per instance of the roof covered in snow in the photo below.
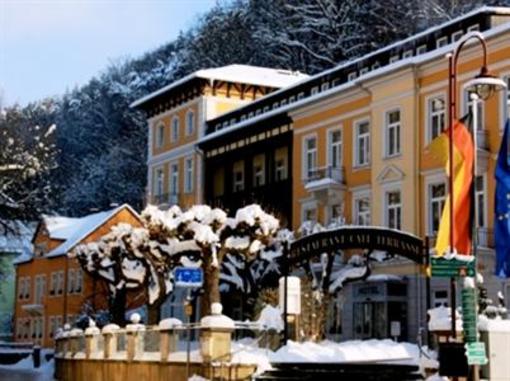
(252, 75)
(74, 230)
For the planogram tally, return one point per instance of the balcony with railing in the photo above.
(326, 182)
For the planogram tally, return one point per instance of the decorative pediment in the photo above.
(390, 173)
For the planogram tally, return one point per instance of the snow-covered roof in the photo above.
(74, 230)
(252, 75)
(429, 56)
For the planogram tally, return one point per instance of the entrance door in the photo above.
(370, 320)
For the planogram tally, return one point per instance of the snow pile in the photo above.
(197, 378)
(348, 351)
(440, 319)
(169, 323)
(246, 352)
(44, 373)
(493, 325)
(271, 319)
(216, 319)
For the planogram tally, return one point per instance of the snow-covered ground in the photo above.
(24, 370)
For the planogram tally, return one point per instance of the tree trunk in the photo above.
(118, 307)
(211, 289)
(154, 311)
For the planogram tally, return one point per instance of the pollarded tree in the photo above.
(216, 235)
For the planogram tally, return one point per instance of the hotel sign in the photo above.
(371, 238)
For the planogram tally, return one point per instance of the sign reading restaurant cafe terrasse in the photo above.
(369, 237)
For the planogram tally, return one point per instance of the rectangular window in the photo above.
(78, 281)
(362, 211)
(70, 281)
(437, 197)
(238, 184)
(280, 163)
(60, 283)
(362, 143)
(392, 142)
(468, 108)
(160, 135)
(53, 283)
(309, 213)
(190, 123)
(443, 41)
(393, 210)
(310, 156)
(158, 184)
(175, 129)
(436, 108)
(174, 178)
(188, 175)
(480, 201)
(335, 148)
(259, 170)
(421, 49)
(40, 289)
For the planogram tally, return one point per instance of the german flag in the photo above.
(463, 154)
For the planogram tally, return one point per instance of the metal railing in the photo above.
(336, 174)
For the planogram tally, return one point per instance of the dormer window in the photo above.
(422, 49)
(407, 54)
(457, 35)
(352, 76)
(394, 59)
(440, 42)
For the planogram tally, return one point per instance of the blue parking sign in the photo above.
(188, 277)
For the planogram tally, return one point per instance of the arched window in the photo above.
(190, 122)
(160, 135)
(175, 129)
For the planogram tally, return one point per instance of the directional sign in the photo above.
(188, 277)
(449, 268)
(469, 315)
(475, 353)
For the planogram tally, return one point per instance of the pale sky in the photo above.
(48, 46)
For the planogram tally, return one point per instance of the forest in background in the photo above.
(100, 144)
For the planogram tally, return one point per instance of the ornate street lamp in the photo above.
(484, 85)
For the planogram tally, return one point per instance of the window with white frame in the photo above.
(442, 41)
(392, 136)
(362, 143)
(362, 210)
(280, 163)
(39, 288)
(259, 170)
(436, 113)
(160, 135)
(480, 199)
(174, 178)
(457, 35)
(309, 213)
(71, 277)
(190, 122)
(437, 197)
(440, 298)
(468, 107)
(158, 184)
(310, 156)
(335, 148)
(60, 283)
(188, 175)
(238, 178)
(393, 202)
(78, 281)
(335, 212)
(175, 129)
(422, 49)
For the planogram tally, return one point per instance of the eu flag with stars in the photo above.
(502, 207)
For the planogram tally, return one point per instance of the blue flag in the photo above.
(502, 207)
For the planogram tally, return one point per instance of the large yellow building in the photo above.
(351, 141)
